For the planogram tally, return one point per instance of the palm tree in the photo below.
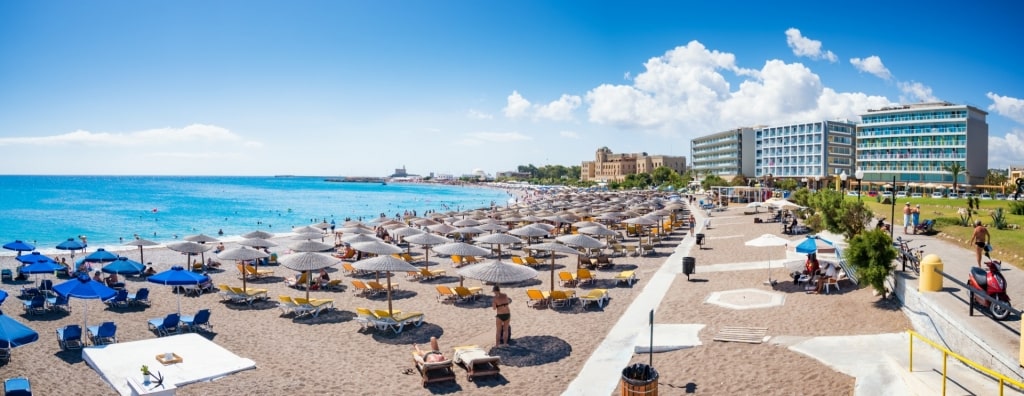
(955, 169)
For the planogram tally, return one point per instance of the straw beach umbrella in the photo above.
(308, 261)
(378, 248)
(310, 246)
(258, 234)
(140, 242)
(387, 264)
(242, 254)
(497, 271)
(189, 248)
(427, 240)
(555, 248)
(498, 239)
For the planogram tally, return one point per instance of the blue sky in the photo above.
(361, 88)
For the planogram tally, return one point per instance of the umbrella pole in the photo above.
(378, 276)
(426, 255)
(244, 277)
(141, 258)
(179, 301)
(390, 312)
(552, 271)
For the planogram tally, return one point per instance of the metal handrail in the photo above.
(1003, 380)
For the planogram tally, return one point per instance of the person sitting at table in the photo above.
(829, 272)
(111, 280)
(431, 356)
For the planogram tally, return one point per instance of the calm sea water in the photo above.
(50, 209)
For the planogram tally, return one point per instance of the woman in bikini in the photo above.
(500, 303)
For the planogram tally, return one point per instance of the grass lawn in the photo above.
(1007, 244)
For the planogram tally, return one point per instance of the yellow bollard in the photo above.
(930, 281)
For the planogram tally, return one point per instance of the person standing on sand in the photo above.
(906, 217)
(500, 304)
(980, 239)
(693, 223)
(915, 215)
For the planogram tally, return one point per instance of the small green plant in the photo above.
(145, 369)
(1017, 208)
(999, 219)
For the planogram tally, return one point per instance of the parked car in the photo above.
(901, 194)
(968, 195)
(1000, 196)
(985, 196)
(916, 195)
(852, 193)
(872, 193)
(952, 196)
(936, 194)
(886, 194)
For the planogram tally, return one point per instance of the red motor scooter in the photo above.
(993, 284)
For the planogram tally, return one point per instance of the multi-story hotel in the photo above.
(916, 143)
(811, 153)
(726, 154)
(607, 166)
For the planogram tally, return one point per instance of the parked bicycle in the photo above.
(909, 255)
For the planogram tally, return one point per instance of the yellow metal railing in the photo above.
(1003, 380)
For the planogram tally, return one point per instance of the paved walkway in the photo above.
(858, 356)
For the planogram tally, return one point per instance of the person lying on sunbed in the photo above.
(433, 355)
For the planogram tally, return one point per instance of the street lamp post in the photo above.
(842, 178)
(805, 182)
(817, 182)
(859, 174)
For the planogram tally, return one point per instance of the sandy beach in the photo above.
(330, 354)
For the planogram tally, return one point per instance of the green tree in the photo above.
(955, 169)
(828, 204)
(996, 178)
(661, 174)
(739, 180)
(871, 252)
(785, 184)
(712, 180)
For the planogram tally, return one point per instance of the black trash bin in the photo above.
(639, 379)
(700, 241)
(689, 266)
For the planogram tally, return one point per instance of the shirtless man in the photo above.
(980, 239)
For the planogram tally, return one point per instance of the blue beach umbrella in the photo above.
(19, 246)
(72, 245)
(34, 257)
(3, 296)
(810, 245)
(85, 288)
(101, 255)
(14, 334)
(123, 266)
(178, 276)
(42, 267)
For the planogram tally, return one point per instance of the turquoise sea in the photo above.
(108, 209)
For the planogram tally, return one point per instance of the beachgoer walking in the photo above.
(980, 239)
(500, 303)
(693, 223)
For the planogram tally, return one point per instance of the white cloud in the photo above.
(195, 133)
(1006, 106)
(559, 110)
(569, 134)
(1006, 151)
(803, 46)
(688, 89)
(479, 115)
(872, 64)
(517, 106)
(913, 92)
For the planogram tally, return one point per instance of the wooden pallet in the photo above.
(752, 335)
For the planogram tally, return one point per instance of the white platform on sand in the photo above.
(669, 337)
(202, 360)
